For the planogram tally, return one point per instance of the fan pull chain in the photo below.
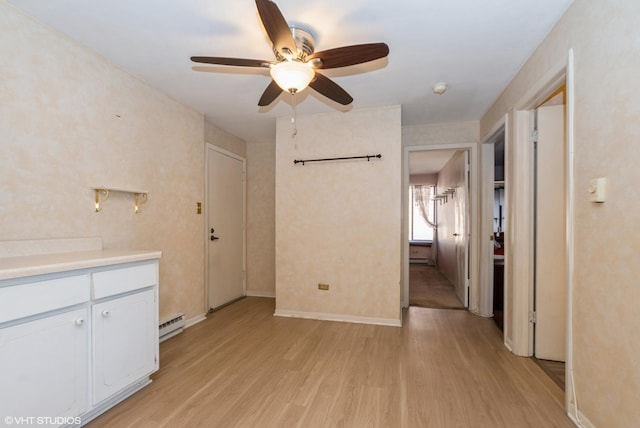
(294, 125)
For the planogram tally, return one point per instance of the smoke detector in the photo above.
(439, 88)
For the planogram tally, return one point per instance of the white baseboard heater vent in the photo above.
(171, 326)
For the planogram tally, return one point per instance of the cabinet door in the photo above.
(125, 342)
(44, 366)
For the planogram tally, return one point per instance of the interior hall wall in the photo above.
(224, 140)
(261, 219)
(339, 223)
(69, 120)
(441, 133)
(604, 36)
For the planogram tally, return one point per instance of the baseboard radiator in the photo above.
(171, 326)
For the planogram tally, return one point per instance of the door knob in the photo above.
(213, 238)
(456, 234)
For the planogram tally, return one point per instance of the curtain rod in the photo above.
(367, 157)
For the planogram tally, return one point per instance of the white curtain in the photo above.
(422, 198)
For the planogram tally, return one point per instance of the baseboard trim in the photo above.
(257, 293)
(508, 344)
(580, 421)
(339, 317)
(195, 320)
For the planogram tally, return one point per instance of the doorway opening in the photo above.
(438, 250)
(550, 272)
(494, 225)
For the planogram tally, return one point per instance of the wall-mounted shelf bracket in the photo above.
(102, 194)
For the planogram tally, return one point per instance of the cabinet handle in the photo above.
(79, 321)
(105, 313)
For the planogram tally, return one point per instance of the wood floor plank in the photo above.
(243, 367)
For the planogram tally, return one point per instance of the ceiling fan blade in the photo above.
(276, 27)
(238, 62)
(270, 94)
(350, 55)
(330, 89)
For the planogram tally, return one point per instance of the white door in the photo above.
(550, 252)
(460, 199)
(226, 226)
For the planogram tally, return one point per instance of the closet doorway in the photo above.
(550, 293)
(493, 223)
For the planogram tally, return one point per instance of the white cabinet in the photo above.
(75, 342)
(43, 366)
(125, 342)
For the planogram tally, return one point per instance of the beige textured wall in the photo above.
(605, 37)
(440, 133)
(224, 140)
(339, 222)
(261, 196)
(423, 179)
(261, 219)
(68, 121)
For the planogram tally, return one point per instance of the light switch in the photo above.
(597, 189)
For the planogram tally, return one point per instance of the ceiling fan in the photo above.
(296, 63)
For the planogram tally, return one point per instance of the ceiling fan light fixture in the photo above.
(292, 76)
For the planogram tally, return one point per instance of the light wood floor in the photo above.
(243, 367)
(429, 288)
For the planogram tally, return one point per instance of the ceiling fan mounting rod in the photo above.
(305, 44)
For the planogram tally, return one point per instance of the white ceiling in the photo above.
(474, 46)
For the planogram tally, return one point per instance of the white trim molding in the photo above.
(195, 320)
(258, 293)
(338, 317)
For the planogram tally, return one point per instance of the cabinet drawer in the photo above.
(111, 282)
(23, 300)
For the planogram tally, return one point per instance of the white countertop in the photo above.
(23, 266)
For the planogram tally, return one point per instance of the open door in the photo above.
(461, 202)
(550, 233)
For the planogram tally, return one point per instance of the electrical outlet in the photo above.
(322, 286)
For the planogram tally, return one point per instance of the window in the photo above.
(419, 229)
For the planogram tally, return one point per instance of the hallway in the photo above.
(428, 288)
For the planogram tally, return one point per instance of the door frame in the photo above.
(519, 200)
(473, 289)
(208, 148)
(519, 158)
(487, 195)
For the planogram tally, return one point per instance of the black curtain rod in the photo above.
(367, 157)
